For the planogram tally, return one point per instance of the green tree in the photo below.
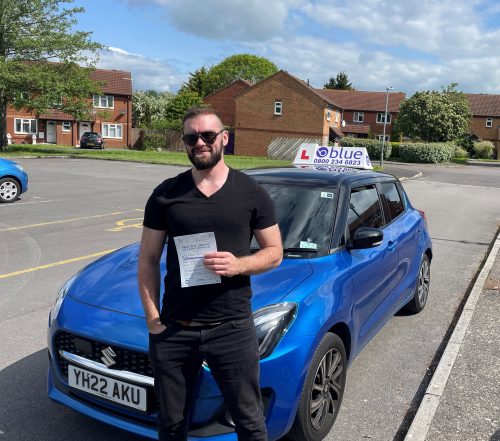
(341, 82)
(176, 109)
(435, 116)
(149, 107)
(247, 67)
(196, 82)
(40, 57)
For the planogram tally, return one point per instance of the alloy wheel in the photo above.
(327, 389)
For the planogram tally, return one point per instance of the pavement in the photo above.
(462, 400)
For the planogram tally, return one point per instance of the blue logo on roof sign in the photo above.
(312, 154)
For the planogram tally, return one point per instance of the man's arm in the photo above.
(269, 256)
(152, 244)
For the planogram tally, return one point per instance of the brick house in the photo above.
(485, 122)
(285, 106)
(282, 106)
(365, 111)
(223, 100)
(57, 127)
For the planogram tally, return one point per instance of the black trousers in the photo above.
(231, 351)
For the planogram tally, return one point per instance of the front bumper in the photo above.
(282, 376)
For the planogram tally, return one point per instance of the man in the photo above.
(206, 312)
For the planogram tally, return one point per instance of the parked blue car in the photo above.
(13, 180)
(355, 253)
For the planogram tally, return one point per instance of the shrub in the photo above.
(372, 146)
(432, 152)
(460, 152)
(483, 150)
(466, 143)
(153, 141)
(395, 149)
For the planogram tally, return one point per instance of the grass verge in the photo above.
(151, 157)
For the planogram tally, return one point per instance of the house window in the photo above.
(489, 122)
(381, 137)
(25, 126)
(112, 130)
(381, 118)
(66, 126)
(337, 117)
(359, 117)
(104, 101)
(278, 107)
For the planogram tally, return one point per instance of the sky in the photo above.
(409, 45)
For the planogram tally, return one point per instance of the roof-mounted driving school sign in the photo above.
(313, 154)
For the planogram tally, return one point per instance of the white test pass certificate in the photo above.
(190, 251)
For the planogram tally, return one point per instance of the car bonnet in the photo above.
(111, 282)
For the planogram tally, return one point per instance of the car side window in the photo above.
(392, 200)
(364, 209)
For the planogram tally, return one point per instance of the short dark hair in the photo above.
(198, 110)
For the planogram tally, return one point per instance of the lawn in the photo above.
(152, 157)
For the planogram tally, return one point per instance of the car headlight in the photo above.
(271, 323)
(60, 297)
(19, 166)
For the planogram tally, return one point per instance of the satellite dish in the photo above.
(343, 123)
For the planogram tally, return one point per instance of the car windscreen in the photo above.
(305, 217)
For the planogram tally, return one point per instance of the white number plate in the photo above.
(115, 390)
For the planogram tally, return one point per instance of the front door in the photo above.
(51, 132)
(83, 127)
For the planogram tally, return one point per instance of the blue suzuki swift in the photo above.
(355, 253)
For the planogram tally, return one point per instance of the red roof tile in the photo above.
(362, 101)
(116, 82)
(483, 104)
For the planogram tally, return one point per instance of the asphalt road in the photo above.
(77, 209)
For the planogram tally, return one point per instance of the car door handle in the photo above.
(391, 245)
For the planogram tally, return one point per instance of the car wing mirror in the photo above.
(365, 237)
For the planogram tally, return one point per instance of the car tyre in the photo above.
(322, 391)
(9, 190)
(421, 292)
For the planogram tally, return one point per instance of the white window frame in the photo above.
(358, 117)
(489, 122)
(30, 122)
(107, 127)
(66, 126)
(381, 138)
(278, 107)
(381, 117)
(104, 102)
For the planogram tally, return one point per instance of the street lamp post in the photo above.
(385, 123)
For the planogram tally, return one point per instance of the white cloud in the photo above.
(318, 59)
(238, 20)
(447, 28)
(147, 73)
(410, 45)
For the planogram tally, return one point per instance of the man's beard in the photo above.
(205, 163)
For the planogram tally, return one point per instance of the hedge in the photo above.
(432, 152)
(373, 147)
(483, 150)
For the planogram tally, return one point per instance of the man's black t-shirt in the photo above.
(232, 213)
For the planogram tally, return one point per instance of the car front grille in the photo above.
(126, 359)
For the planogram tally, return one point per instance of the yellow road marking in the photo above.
(51, 265)
(122, 224)
(61, 221)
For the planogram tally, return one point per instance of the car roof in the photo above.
(310, 177)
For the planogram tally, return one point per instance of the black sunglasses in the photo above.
(190, 139)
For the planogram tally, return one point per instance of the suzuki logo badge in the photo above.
(108, 357)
